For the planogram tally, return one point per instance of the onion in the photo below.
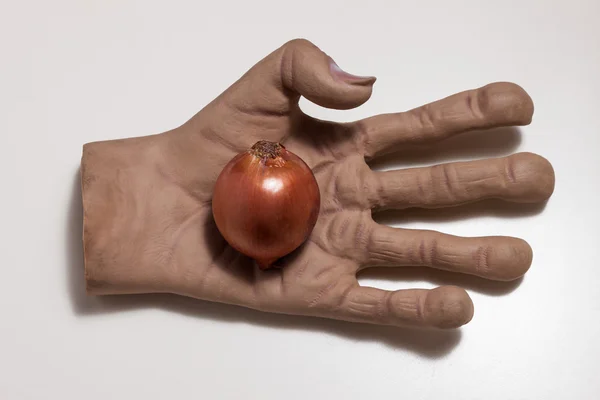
(266, 202)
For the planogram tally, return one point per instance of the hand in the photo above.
(148, 223)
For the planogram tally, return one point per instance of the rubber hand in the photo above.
(148, 224)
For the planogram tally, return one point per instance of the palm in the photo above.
(324, 265)
(180, 249)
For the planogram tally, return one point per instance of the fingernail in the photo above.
(340, 74)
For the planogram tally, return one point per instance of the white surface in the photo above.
(76, 71)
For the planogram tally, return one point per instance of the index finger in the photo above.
(493, 105)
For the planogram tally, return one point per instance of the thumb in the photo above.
(298, 68)
(309, 72)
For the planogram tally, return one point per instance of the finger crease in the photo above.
(301, 270)
(363, 139)
(419, 306)
(422, 192)
(433, 251)
(322, 293)
(389, 303)
(447, 181)
(383, 305)
(422, 253)
(344, 296)
(324, 271)
(322, 165)
(377, 198)
(483, 265)
(426, 120)
(473, 104)
(509, 171)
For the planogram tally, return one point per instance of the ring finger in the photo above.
(495, 257)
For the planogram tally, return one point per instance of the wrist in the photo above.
(116, 183)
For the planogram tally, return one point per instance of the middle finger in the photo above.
(521, 178)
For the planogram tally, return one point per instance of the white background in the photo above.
(75, 71)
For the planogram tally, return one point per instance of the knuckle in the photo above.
(338, 227)
(423, 184)
(362, 233)
(364, 138)
(473, 104)
(356, 185)
(426, 119)
(348, 235)
(509, 170)
(385, 306)
(298, 43)
(482, 257)
(444, 177)
(366, 304)
(428, 252)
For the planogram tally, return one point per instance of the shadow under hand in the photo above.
(428, 343)
(489, 143)
(484, 208)
(440, 278)
(74, 246)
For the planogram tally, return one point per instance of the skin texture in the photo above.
(148, 223)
